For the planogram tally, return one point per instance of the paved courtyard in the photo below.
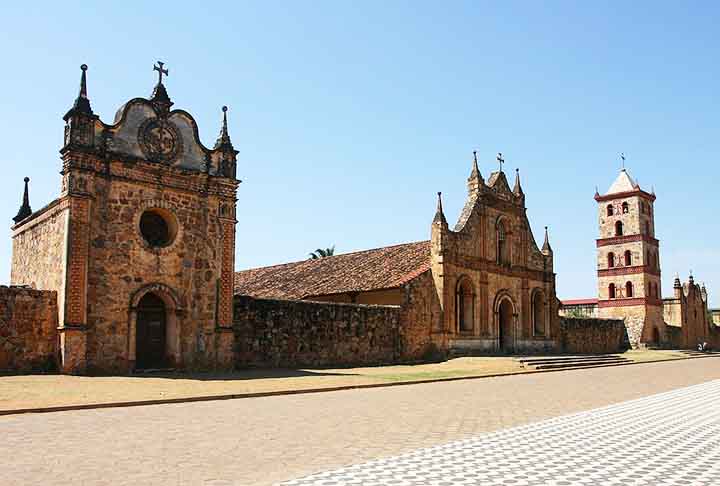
(275, 439)
(667, 439)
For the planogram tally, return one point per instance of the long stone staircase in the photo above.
(571, 362)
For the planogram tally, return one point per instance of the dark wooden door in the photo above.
(151, 338)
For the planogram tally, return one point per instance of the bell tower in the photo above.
(629, 260)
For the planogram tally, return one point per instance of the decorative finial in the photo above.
(161, 71)
(83, 81)
(223, 140)
(25, 210)
(517, 190)
(547, 249)
(475, 181)
(439, 215)
(500, 160)
(82, 103)
(622, 156)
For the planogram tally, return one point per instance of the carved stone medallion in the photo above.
(160, 140)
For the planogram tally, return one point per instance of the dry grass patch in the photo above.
(39, 391)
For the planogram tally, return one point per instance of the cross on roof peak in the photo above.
(500, 160)
(161, 71)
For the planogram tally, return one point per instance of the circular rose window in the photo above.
(158, 227)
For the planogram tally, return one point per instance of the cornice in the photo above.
(622, 195)
(632, 270)
(619, 240)
(636, 301)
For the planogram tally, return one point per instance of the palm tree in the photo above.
(320, 253)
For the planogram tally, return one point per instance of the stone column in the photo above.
(225, 289)
(73, 327)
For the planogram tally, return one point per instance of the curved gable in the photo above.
(138, 127)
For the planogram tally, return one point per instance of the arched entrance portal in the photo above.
(505, 327)
(151, 336)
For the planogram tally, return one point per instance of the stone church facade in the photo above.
(482, 286)
(139, 245)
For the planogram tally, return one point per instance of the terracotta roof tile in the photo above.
(381, 268)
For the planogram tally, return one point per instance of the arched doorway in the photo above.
(505, 326)
(151, 338)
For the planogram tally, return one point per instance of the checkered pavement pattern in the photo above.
(667, 439)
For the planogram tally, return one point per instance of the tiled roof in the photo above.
(381, 268)
(580, 302)
(623, 183)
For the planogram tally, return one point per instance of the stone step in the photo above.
(546, 360)
(560, 359)
(579, 364)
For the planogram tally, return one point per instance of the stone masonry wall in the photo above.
(38, 255)
(28, 329)
(420, 315)
(285, 333)
(586, 335)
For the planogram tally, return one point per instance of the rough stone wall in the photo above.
(284, 333)
(587, 335)
(640, 322)
(420, 318)
(38, 254)
(28, 329)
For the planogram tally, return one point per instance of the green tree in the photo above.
(322, 253)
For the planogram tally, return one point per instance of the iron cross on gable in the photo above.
(161, 71)
(500, 160)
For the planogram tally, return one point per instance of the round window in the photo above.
(158, 227)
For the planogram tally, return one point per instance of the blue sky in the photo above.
(350, 116)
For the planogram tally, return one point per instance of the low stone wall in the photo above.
(588, 335)
(28, 329)
(284, 333)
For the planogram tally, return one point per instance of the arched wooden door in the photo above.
(151, 340)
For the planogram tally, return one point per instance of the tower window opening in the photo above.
(618, 228)
(625, 208)
(611, 260)
(610, 210)
(628, 289)
(611, 290)
(628, 258)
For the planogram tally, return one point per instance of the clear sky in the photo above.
(350, 116)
